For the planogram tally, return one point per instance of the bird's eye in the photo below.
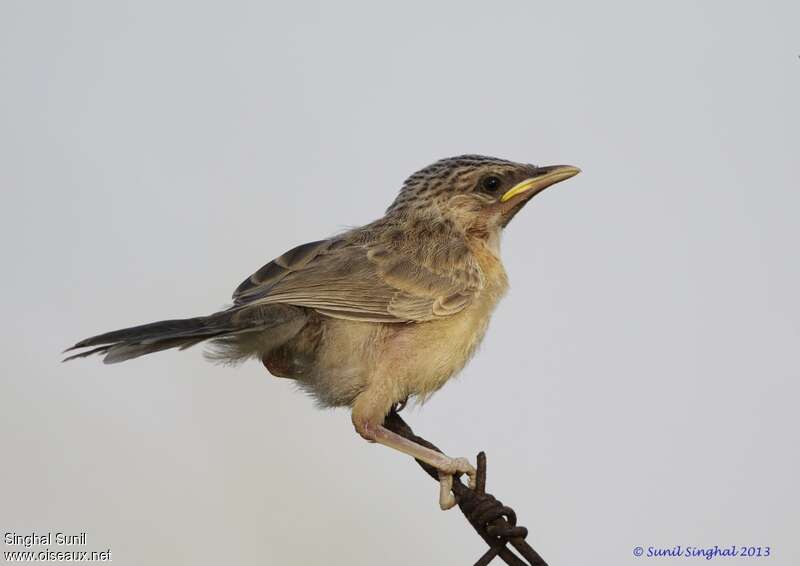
(491, 184)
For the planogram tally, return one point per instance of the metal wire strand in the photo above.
(494, 522)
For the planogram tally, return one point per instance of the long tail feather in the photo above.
(127, 343)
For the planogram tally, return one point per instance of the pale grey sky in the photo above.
(156, 153)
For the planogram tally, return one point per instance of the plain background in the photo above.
(638, 385)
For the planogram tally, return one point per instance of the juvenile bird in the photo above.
(376, 315)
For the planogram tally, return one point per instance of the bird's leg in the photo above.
(369, 411)
(446, 465)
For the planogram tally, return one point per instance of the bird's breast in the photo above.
(423, 357)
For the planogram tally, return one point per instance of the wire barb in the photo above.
(494, 522)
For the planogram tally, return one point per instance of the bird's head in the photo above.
(476, 194)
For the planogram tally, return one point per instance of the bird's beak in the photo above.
(515, 198)
(546, 176)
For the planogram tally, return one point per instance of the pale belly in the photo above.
(346, 357)
(421, 360)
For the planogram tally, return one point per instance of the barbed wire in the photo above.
(494, 522)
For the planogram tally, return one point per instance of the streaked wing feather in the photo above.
(364, 282)
(262, 280)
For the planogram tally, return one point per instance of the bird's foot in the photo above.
(448, 468)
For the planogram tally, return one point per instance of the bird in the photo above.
(376, 315)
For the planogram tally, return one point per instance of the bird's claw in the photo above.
(447, 499)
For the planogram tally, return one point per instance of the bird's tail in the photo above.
(277, 321)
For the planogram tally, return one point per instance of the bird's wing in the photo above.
(369, 282)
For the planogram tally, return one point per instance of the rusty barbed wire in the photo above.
(494, 522)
